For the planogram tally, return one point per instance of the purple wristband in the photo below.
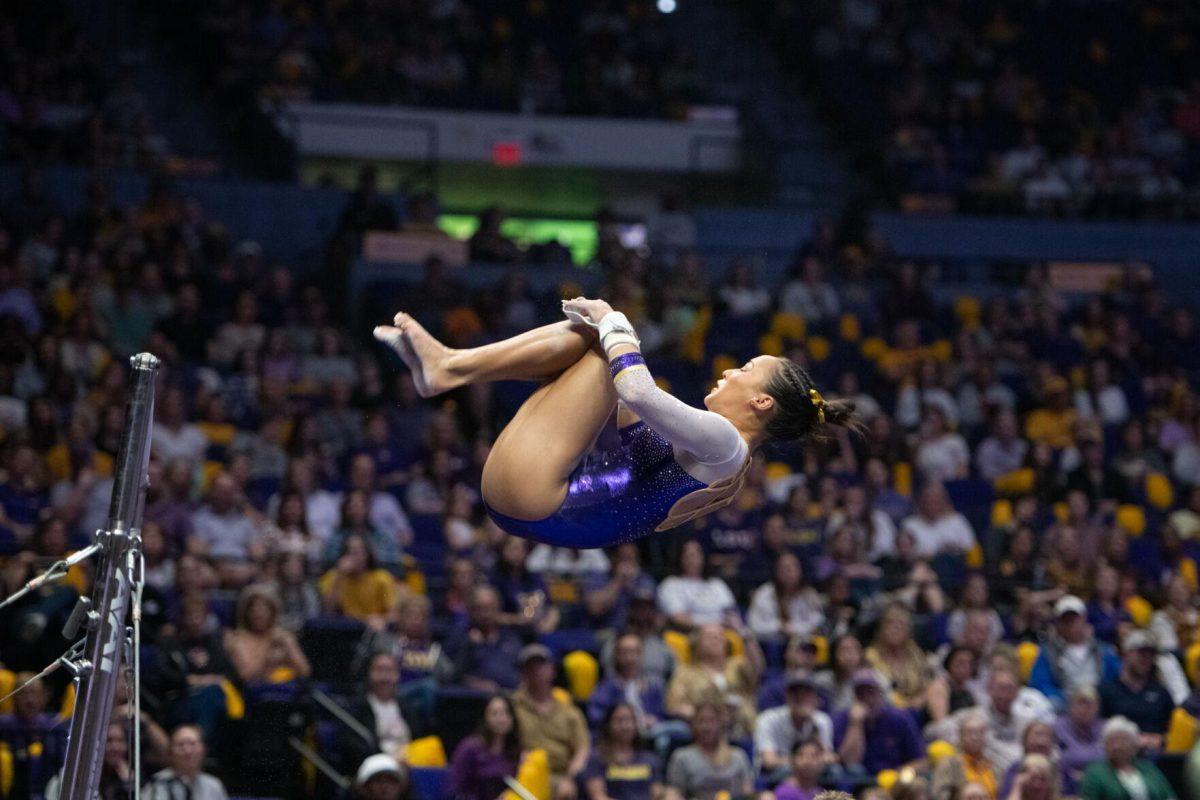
(624, 362)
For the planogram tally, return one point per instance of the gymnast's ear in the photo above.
(762, 402)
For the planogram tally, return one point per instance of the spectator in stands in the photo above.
(1136, 693)
(1176, 623)
(485, 653)
(778, 731)
(356, 586)
(942, 454)
(1035, 780)
(356, 522)
(381, 777)
(259, 648)
(809, 760)
(488, 244)
(1038, 739)
(223, 531)
(1070, 656)
(710, 766)
(377, 710)
(35, 738)
(173, 436)
(367, 211)
(1078, 731)
(837, 682)
(607, 598)
(658, 661)
(740, 295)
(547, 722)
(1122, 774)
(716, 675)
(185, 774)
(298, 598)
(872, 735)
(526, 599)
(618, 769)
(937, 527)
(898, 659)
(628, 682)
(970, 764)
(116, 774)
(484, 759)
(809, 295)
(692, 597)
(386, 513)
(785, 607)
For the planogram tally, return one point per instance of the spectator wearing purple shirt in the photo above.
(483, 760)
(1078, 732)
(485, 654)
(630, 685)
(873, 735)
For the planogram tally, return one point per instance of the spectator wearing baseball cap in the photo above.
(778, 730)
(1136, 693)
(872, 735)
(548, 723)
(1071, 656)
(380, 777)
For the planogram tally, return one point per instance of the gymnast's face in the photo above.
(744, 387)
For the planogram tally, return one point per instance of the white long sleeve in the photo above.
(707, 437)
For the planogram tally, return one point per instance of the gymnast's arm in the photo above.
(709, 437)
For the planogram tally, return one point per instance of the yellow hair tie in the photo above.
(819, 403)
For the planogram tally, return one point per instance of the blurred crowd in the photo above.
(1086, 108)
(599, 57)
(991, 594)
(59, 99)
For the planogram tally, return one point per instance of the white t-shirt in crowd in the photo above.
(951, 533)
(704, 600)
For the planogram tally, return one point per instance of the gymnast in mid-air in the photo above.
(547, 480)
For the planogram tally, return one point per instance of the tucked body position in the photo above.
(599, 454)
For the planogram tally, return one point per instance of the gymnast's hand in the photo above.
(586, 311)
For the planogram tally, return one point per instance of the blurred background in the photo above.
(977, 219)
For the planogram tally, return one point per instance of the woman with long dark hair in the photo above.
(483, 760)
(619, 769)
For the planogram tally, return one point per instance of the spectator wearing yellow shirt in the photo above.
(1055, 421)
(356, 586)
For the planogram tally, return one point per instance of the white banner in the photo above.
(410, 134)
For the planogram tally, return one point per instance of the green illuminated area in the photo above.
(578, 236)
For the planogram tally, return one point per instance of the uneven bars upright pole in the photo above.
(110, 595)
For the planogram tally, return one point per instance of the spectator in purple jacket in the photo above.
(629, 684)
(483, 760)
(872, 735)
(1078, 732)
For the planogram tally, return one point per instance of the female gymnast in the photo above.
(547, 480)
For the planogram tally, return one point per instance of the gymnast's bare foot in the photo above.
(422, 353)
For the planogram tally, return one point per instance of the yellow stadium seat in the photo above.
(1191, 663)
(789, 326)
(942, 350)
(533, 774)
(426, 752)
(873, 348)
(1140, 609)
(770, 344)
(6, 769)
(849, 328)
(737, 645)
(1062, 512)
(8, 682)
(1182, 733)
(680, 645)
(887, 778)
(822, 645)
(902, 477)
(975, 557)
(1187, 569)
(1002, 513)
(819, 348)
(777, 471)
(561, 695)
(1078, 377)
(968, 311)
(67, 707)
(1159, 491)
(235, 704)
(692, 347)
(1019, 481)
(939, 749)
(1027, 656)
(1131, 519)
(583, 673)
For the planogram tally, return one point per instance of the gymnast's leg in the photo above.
(532, 356)
(528, 469)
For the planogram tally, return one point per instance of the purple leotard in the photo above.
(614, 496)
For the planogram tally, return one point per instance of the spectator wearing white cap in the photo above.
(1071, 656)
(380, 777)
(1122, 775)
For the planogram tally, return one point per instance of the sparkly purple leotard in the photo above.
(621, 494)
(614, 495)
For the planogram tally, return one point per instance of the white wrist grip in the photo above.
(615, 329)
